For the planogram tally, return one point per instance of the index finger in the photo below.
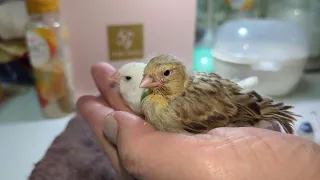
(151, 154)
(94, 110)
(101, 73)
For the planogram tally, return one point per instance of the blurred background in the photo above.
(47, 48)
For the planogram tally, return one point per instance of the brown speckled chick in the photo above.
(178, 103)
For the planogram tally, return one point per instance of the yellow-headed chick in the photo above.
(175, 102)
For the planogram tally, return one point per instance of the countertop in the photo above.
(25, 135)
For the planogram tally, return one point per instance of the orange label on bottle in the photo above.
(48, 69)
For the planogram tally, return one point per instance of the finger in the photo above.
(270, 125)
(100, 73)
(140, 145)
(257, 145)
(94, 110)
(90, 108)
(158, 155)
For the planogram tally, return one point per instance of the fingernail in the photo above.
(110, 128)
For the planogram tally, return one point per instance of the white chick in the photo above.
(129, 77)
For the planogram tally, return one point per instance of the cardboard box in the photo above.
(121, 31)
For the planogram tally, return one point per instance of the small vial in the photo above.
(49, 57)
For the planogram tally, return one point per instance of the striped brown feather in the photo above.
(204, 102)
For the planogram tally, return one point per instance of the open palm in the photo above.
(138, 151)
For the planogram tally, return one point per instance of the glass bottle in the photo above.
(314, 36)
(49, 56)
(208, 18)
(244, 9)
(296, 11)
(306, 14)
(210, 15)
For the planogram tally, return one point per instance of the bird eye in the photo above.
(166, 73)
(128, 78)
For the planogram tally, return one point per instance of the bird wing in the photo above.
(218, 80)
(206, 103)
(210, 102)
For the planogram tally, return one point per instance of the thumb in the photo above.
(130, 141)
(139, 146)
(125, 124)
(130, 127)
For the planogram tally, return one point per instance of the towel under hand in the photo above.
(74, 155)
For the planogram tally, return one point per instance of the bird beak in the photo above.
(148, 82)
(115, 77)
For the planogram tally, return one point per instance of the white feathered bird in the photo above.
(129, 77)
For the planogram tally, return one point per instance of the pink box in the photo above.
(168, 26)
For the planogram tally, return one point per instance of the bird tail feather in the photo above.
(276, 111)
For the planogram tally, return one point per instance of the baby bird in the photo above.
(175, 102)
(129, 77)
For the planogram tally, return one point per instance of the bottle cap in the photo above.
(41, 6)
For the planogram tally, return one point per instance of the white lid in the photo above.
(247, 41)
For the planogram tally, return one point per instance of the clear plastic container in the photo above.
(275, 51)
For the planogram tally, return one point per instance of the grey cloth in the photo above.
(74, 155)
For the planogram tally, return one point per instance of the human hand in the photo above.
(223, 153)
